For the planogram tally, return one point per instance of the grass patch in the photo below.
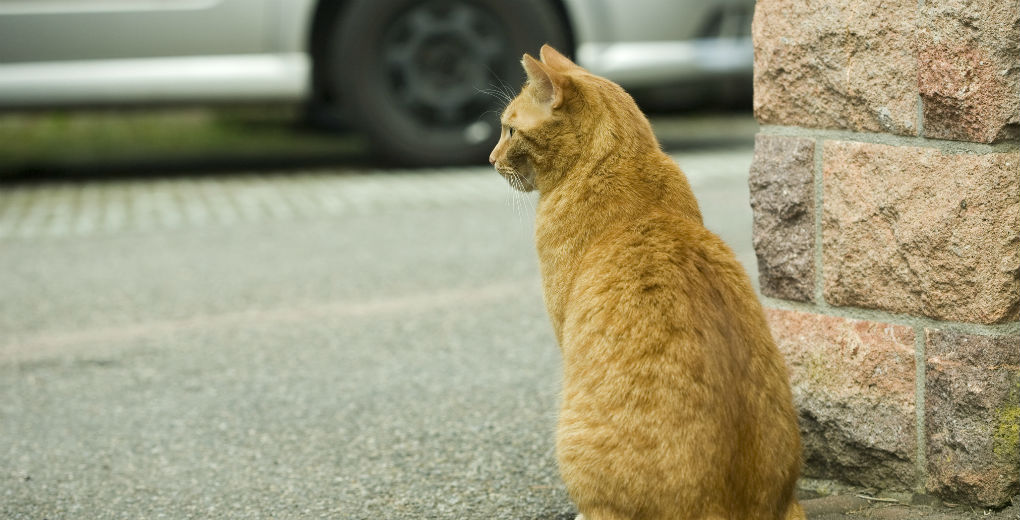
(72, 138)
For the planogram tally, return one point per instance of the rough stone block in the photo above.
(920, 231)
(782, 197)
(853, 386)
(836, 64)
(968, 73)
(972, 416)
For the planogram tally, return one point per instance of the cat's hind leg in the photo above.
(601, 514)
(794, 511)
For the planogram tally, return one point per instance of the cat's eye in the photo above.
(510, 131)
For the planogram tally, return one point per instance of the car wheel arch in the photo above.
(323, 22)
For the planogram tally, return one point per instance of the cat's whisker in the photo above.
(510, 200)
(520, 206)
(523, 192)
(502, 84)
(506, 89)
(518, 209)
(492, 92)
(524, 203)
(487, 112)
(528, 200)
(505, 96)
(500, 95)
(519, 192)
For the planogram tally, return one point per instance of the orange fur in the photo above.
(676, 403)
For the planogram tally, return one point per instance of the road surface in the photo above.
(297, 344)
(338, 343)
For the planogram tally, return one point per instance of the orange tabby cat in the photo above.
(676, 403)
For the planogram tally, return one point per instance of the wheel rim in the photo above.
(440, 59)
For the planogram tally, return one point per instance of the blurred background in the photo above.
(255, 264)
(421, 81)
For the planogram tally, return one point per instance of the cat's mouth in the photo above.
(517, 180)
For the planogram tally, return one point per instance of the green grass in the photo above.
(69, 140)
(62, 138)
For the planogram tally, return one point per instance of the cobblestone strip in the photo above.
(142, 205)
(95, 208)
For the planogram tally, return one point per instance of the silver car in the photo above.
(423, 78)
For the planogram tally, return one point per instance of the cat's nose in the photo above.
(492, 159)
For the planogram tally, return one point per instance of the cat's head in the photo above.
(564, 116)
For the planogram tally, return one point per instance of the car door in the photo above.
(646, 43)
(56, 53)
(73, 30)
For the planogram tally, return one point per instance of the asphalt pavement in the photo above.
(389, 362)
(344, 342)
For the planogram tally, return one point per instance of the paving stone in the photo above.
(87, 209)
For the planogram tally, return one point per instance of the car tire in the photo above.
(426, 80)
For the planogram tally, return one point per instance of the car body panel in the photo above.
(142, 51)
(49, 30)
(290, 25)
(644, 64)
(231, 50)
(640, 43)
(214, 79)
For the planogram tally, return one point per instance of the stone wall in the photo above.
(886, 194)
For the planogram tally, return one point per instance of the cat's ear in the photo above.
(554, 59)
(549, 84)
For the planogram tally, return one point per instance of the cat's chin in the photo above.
(517, 181)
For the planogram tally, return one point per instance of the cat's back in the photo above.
(669, 364)
(662, 285)
(665, 261)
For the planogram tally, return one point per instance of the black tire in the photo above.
(422, 78)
